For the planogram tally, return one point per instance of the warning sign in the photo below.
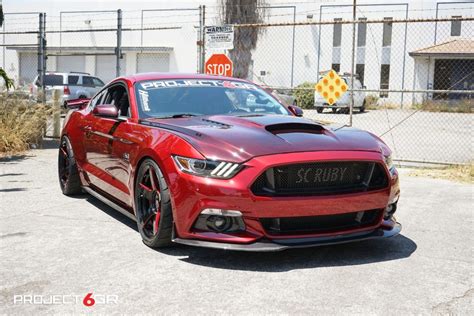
(331, 87)
(219, 37)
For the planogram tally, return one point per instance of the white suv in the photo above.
(345, 101)
(73, 85)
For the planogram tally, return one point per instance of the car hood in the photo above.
(240, 138)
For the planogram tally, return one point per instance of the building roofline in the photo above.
(89, 49)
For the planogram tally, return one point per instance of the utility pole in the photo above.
(354, 6)
(118, 49)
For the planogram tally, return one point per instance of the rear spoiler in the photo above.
(77, 103)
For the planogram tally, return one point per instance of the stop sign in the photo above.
(219, 64)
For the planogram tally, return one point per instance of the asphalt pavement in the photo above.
(412, 135)
(57, 249)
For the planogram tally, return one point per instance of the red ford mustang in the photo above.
(218, 162)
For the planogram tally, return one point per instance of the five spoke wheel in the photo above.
(153, 205)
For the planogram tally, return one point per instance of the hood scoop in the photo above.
(285, 128)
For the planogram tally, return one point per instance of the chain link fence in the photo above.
(411, 80)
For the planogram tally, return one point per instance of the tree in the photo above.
(3, 74)
(245, 38)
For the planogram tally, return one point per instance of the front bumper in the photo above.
(283, 244)
(192, 194)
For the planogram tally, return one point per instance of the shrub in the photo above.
(304, 95)
(371, 101)
(21, 124)
(453, 106)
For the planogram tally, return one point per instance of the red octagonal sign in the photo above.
(219, 64)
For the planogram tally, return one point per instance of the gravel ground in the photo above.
(51, 244)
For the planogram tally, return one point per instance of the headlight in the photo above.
(389, 162)
(207, 168)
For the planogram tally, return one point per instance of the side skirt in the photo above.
(109, 203)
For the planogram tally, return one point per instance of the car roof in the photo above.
(170, 75)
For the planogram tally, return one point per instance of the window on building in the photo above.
(387, 32)
(384, 79)
(361, 32)
(337, 33)
(336, 67)
(456, 26)
(360, 72)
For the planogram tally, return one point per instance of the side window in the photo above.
(98, 99)
(118, 96)
(72, 80)
(87, 81)
(97, 82)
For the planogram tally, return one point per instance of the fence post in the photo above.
(203, 39)
(40, 54)
(56, 114)
(293, 48)
(354, 6)
(118, 49)
(44, 42)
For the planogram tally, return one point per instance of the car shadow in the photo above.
(356, 253)
(110, 211)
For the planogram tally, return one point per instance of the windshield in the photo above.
(188, 97)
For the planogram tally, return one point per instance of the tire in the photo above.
(153, 205)
(68, 175)
(319, 110)
(362, 108)
(334, 110)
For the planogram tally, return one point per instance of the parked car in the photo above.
(344, 103)
(218, 162)
(284, 95)
(74, 85)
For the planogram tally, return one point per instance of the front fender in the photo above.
(161, 146)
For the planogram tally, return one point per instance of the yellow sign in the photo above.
(331, 87)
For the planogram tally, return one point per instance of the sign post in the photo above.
(220, 65)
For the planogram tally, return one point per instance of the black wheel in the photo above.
(153, 205)
(319, 110)
(362, 108)
(69, 180)
(334, 110)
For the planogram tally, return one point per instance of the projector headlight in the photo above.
(207, 168)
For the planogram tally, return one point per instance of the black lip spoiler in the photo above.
(282, 244)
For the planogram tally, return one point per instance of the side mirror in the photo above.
(296, 110)
(105, 110)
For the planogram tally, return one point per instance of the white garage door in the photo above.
(71, 63)
(153, 62)
(105, 67)
(28, 68)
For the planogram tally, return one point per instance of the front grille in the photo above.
(320, 178)
(320, 224)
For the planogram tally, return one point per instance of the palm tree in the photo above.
(3, 74)
(245, 38)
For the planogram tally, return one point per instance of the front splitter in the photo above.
(282, 244)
